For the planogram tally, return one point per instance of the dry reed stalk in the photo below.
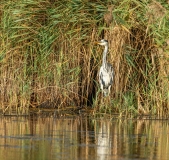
(49, 58)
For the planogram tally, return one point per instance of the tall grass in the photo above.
(48, 56)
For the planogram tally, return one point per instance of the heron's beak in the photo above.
(97, 42)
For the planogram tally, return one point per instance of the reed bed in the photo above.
(48, 57)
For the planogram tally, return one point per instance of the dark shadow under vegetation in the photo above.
(49, 59)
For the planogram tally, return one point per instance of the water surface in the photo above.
(83, 138)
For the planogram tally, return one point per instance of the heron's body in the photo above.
(106, 71)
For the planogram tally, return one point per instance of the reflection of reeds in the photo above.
(48, 56)
(80, 137)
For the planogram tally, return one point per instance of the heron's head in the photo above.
(103, 42)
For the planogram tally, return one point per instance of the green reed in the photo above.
(48, 56)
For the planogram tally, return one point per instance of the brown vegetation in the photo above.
(48, 56)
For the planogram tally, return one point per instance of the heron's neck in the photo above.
(104, 63)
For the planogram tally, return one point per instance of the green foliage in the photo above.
(48, 56)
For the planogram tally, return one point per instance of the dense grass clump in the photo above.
(48, 56)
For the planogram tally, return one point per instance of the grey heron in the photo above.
(106, 70)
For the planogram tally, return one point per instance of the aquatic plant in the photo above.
(48, 56)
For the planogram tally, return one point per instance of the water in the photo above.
(82, 138)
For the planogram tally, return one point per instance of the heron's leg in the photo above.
(103, 101)
(107, 103)
(108, 99)
(109, 88)
(101, 86)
